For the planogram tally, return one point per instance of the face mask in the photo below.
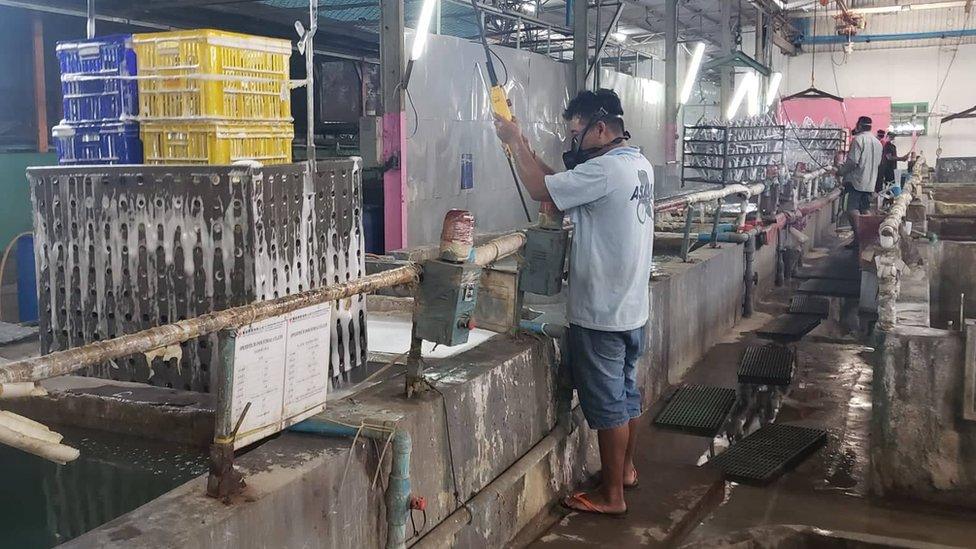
(576, 156)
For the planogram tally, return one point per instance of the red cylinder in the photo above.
(457, 236)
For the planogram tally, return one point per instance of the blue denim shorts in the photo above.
(603, 370)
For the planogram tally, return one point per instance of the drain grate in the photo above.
(767, 365)
(697, 410)
(832, 288)
(788, 328)
(766, 454)
(810, 305)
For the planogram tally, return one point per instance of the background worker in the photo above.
(607, 192)
(859, 172)
(889, 160)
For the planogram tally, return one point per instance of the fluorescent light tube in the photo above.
(745, 85)
(691, 75)
(773, 88)
(423, 29)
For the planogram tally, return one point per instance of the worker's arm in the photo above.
(531, 170)
(853, 160)
(542, 165)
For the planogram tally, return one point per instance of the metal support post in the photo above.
(581, 43)
(40, 92)
(671, 87)
(392, 60)
(686, 241)
(759, 52)
(726, 71)
(90, 23)
(603, 44)
(437, 17)
(416, 383)
(718, 215)
(313, 26)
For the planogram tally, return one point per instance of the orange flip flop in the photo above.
(587, 506)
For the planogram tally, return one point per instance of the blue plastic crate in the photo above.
(98, 143)
(90, 85)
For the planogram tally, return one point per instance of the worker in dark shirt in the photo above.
(889, 160)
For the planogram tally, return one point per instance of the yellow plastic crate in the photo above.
(212, 74)
(216, 142)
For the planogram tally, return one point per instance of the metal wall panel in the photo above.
(453, 124)
(121, 249)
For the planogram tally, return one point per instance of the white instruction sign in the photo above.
(281, 366)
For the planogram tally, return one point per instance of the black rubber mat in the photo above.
(788, 328)
(810, 305)
(767, 365)
(697, 410)
(840, 268)
(832, 288)
(763, 456)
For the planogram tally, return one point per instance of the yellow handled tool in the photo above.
(500, 103)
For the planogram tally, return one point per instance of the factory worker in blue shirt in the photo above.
(607, 192)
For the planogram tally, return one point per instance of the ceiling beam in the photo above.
(167, 4)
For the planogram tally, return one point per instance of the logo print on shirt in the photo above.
(644, 195)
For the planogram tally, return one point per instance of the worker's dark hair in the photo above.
(863, 124)
(588, 103)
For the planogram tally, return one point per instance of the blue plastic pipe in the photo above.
(543, 328)
(842, 39)
(398, 489)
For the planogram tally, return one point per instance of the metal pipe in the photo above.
(749, 276)
(738, 238)
(718, 216)
(398, 487)
(40, 91)
(71, 360)
(606, 37)
(679, 202)
(843, 39)
(686, 237)
(555, 331)
(888, 231)
(443, 534)
(90, 20)
(313, 27)
(71, 12)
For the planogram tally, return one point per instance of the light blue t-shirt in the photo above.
(610, 200)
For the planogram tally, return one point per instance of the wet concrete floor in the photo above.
(677, 503)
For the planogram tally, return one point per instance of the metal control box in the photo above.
(545, 260)
(448, 295)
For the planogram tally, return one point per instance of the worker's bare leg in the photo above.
(630, 470)
(613, 455)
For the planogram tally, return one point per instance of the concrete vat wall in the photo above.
(501, 399)
(921, 447)
(949, 282)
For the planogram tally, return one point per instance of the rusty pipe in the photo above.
(493, 250)
(65, 362)
(888, 231)
(681, 202)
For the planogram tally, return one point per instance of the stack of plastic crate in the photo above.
(100, 102)
(213, 97)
